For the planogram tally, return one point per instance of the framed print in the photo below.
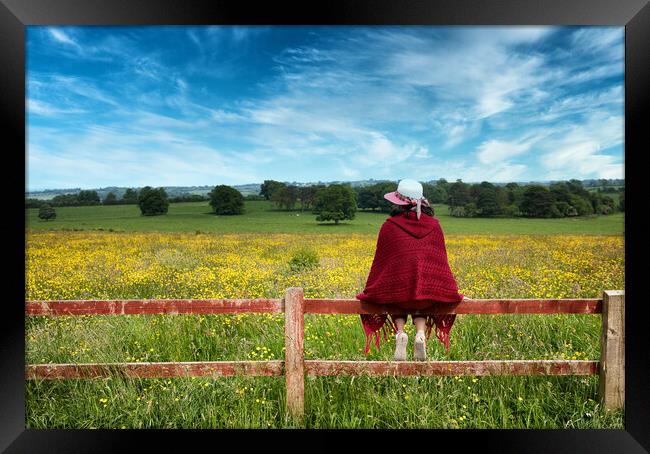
(363, 215)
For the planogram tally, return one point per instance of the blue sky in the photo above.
(177, 105)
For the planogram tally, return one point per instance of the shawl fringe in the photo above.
(376, 324)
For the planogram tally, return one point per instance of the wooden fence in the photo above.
(611, 367)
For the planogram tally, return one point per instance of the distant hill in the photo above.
(172, 191)
(254, 188)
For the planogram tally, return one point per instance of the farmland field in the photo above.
(260, 217)
(250, 258)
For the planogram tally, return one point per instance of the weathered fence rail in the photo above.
(611, 367)
(312, 306)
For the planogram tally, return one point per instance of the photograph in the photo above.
(325, 226)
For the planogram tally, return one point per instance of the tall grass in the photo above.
(95, 265)
(331, 402)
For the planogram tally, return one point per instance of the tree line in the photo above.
(90, 198)
(336, 202)
(559, 199)
(287, 196)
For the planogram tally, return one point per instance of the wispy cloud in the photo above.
(62, 37)
(243, 104)
(494, 151)
(36, 107)
(582, 150)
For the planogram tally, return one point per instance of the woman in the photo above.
(410, 274)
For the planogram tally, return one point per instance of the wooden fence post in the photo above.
(294, 360)
(612, 350)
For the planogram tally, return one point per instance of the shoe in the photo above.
(401, 339)
(420, 347)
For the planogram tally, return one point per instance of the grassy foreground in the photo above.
(331, 402)
(261, 217)
(97, 265)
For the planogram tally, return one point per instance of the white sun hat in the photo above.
(409, 192)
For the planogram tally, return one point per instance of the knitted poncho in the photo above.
(410, 272)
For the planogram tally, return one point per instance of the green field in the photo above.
(553, 258)
(541, 402)
(262, 217)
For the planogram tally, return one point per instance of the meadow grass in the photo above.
(262, 217)
(96, 265)
(331, 402)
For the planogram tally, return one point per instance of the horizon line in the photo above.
(311, 183)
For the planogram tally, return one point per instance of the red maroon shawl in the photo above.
(410, 272)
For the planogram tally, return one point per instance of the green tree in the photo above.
(285, 197)
(487, 202)
(474, 190)
(380, 189)
(110, 199)
(372, 197)
(188, 198)
(443, 184)
(33, 203)
(367, 198)
(65, 200)
(515, 193)
(46, 212)
(458, 194)
(307, 195)
(576, 187)
(335, 202)
(621, 202)
(601, 203)
(130, 197)
(226, 200)
(512, 210)
(434, 193)
(152, 201)
(269, 187)
(537, 202)
(582, 206)
(560, 192)
(88, 198)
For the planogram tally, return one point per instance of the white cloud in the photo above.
(580, 150)
(469, 171)
(501, 172)
(305, 55)
(62, 37)
(375, 101)
(81, 87)
(381, 152)
(583, 159)
(607, 41)
(349, 172)
(494, 151)
(222, 116)
(109, 49)
(128, 154)
(34, 106)
(421, 152)
(584, 103)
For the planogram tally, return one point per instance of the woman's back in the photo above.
(410, 273)
(410, 264)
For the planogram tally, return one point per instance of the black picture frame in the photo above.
(16, 14)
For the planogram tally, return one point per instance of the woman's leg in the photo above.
(401, 339)
(420, 346)
(400, 321)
